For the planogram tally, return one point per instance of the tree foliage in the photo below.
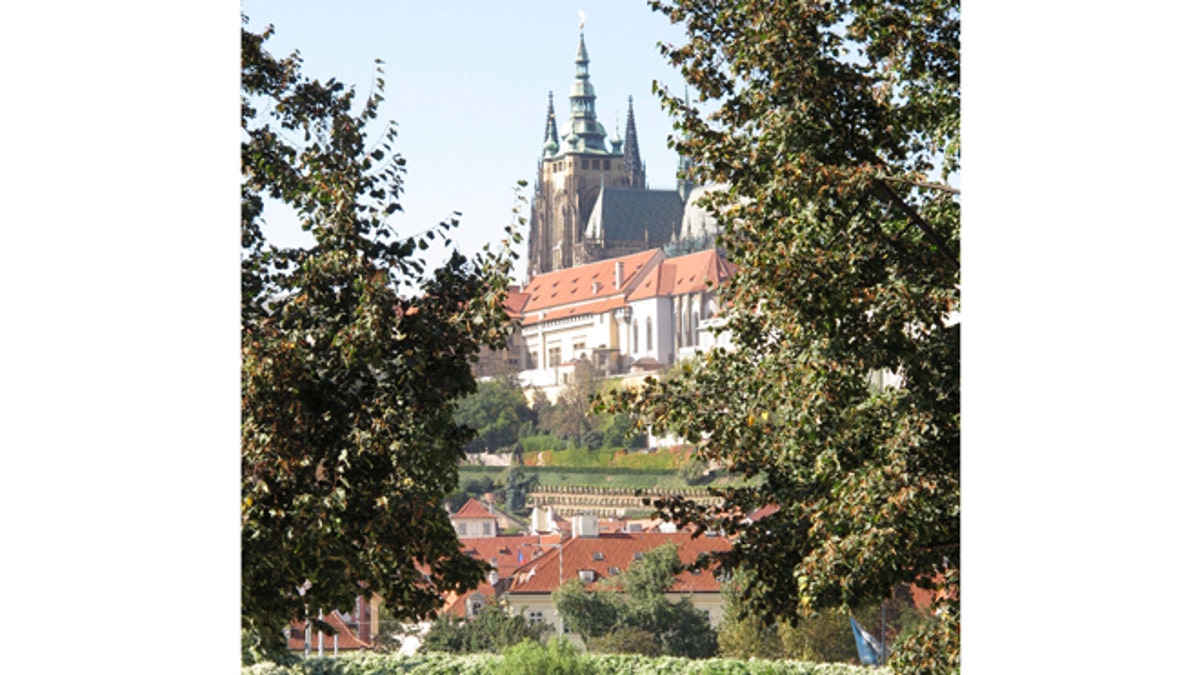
(348, 386)
(835, 126)
(493, 629)
(496, 410)
(631, 613)
(570, 417)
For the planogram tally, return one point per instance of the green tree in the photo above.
(570, 418)
(618, 616)
(617, 433)
(348, 387)
(560, 657)
(493, 629)
(835, 126)
(496, 411)
(517, 485)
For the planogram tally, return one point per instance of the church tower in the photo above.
(573, 170)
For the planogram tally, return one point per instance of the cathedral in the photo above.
(590, 199)
(621, 277)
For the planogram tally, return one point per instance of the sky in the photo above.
(467, 84)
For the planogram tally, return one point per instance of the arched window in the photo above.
(649, 335)
(633, 346)
(696, 326)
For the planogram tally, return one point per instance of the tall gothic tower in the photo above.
(572, 172)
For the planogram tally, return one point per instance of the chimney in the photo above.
(585, 525)
(618, 273)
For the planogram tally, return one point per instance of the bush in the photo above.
(626, 640)
(529, 658)
(542, 443)
(534, 658)
(492, 630)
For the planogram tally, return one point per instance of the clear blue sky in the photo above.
(467, 83)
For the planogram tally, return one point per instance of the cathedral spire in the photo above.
(586, 134)
(550, 142)
(635, 171)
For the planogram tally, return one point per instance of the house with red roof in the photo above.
(475, 520)
(593, 556)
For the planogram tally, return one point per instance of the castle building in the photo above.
(620, 276)
(591, 201)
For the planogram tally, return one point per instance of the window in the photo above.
(534, 617)
(555, 356)
(487, 529)
(633, 347)
(637, 555)
(606, 164)
(461, 528)
(649, 335)
(579, 347)
(614, 571)
(587, 576)
(598, 555)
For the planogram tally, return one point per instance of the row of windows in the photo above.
(461, 528)
(589, 164)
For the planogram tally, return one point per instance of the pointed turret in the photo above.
(635, 171)
(586, 134)
(550, 142)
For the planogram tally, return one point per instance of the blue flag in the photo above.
(869, 649)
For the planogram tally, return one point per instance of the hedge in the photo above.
(602, 664)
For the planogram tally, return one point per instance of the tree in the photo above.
(570, 417)
(493, 629)
(348, 387)
(517, 485)
(626, 609)
(560, 657)
(823, 637)
(496, 411)
(835, 126)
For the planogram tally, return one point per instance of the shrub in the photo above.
(492, 630)
(534, 658)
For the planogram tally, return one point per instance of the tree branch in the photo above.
(882, 189)
(932, 186)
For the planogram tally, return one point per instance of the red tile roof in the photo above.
(686, 274)
(508, 551)
(473, 509)
(695, 271)
(515, 302)
(607, 552)
(763, 512)
(585, 282)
